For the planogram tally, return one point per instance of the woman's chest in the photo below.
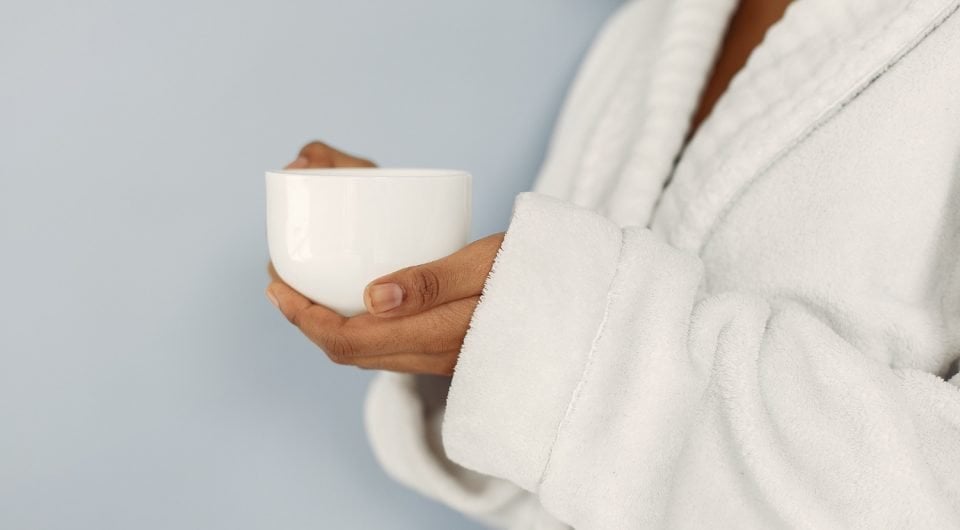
(745, 31)
(862, 217)
(884, 94)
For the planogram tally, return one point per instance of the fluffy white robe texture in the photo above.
(754, 331)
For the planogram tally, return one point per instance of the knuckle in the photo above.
(318, 152)
(316, 146)
(297, 318)
(428, 285)
(339, 350)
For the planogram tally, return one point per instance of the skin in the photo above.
(418, 317)
(745, 31)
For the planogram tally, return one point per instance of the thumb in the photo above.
(417, 289)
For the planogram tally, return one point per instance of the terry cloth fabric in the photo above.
(759, 335)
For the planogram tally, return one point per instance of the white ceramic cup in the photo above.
(332, 231)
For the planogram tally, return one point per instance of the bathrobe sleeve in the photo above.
(403, 415)
(599, 377)
(404, 412)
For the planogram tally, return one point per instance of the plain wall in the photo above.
(145, 381)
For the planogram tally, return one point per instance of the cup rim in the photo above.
(370, 172)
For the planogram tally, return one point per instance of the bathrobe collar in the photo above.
(817, 58)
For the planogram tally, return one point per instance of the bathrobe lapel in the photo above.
(633, 143)
(820, 56)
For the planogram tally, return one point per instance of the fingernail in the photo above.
(299, 163)
(273, 299)
(384, 297)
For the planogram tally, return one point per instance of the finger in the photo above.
(412, 363)
(272, 272)
(301, 162)
(350, 340)
(422, 287)
(287, 300)
(321, 155)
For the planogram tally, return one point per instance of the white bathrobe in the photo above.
(758, 331)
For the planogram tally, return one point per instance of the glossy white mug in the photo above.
(332, 231)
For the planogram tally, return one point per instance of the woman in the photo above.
(757, 327)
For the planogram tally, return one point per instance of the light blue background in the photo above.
(145, 383)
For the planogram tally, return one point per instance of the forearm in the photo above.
(653, 405)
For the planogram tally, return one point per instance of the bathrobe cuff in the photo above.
(530, 338)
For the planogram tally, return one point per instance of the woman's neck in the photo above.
(745, 31)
